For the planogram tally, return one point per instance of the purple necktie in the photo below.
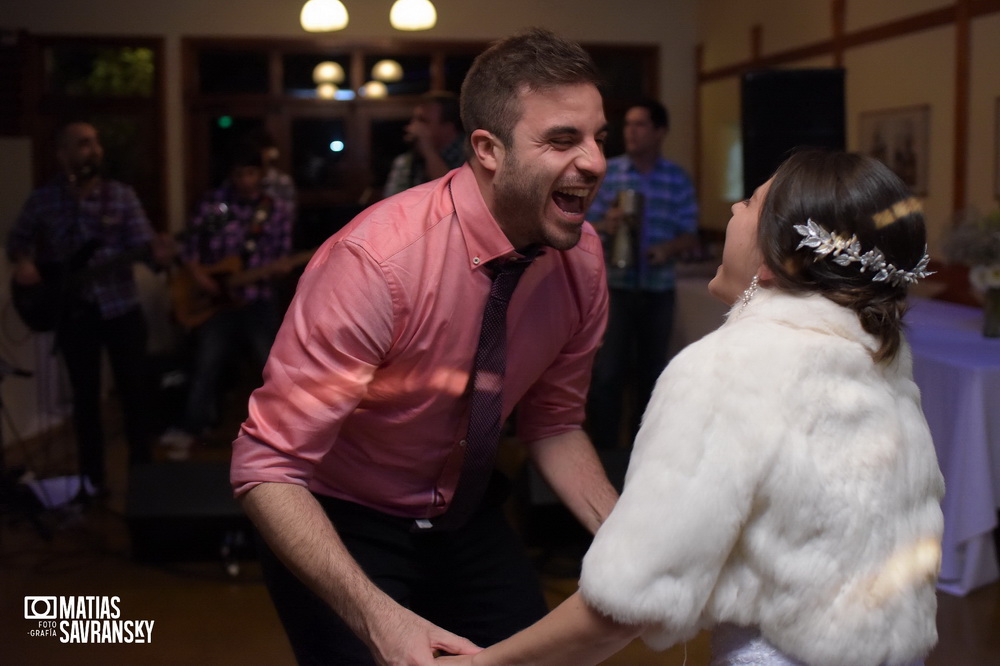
(487, 396)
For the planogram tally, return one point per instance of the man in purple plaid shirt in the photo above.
(238, 220)
(81, 233)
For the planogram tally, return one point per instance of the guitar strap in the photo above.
(261, 213)
(80, 248)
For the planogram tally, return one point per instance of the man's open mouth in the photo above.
(571, 199)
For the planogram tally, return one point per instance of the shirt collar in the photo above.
(484, 239)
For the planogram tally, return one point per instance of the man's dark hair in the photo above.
(535, 60)
(246, 153)
(657, 112)
(61, 134)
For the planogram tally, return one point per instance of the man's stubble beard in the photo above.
(518, 207)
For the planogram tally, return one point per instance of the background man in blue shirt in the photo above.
(641, 286)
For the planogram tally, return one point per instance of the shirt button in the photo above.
(475, 261)
(462, 443)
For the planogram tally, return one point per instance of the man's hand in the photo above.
(659, 254)
(164, 249)
(294, 524)
(613, 218)
(26, 273)
(418, 134)
(399, 637)
(204, 281)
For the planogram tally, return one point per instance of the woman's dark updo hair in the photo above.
(847, 194)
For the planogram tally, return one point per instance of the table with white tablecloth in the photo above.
(958, 372)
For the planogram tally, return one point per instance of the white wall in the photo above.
(983, 173)
(916, 70)
(38, 402)
(913, 70)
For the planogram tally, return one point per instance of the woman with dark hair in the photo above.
(783, 488)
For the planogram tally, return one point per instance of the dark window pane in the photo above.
(298, 70)
(317, 223)
(130, 155)
(416, 74)
(624, 74)
(233, 72)
(99, 71)
(319, 148)
(387, 143)
(455, 69)
(225, 135)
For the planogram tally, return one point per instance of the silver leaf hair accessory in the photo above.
(847, 251)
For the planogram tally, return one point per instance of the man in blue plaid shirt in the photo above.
(642, 286)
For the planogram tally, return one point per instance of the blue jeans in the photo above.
(249, 328)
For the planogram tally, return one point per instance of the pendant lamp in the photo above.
(323, 16)
(412, 15)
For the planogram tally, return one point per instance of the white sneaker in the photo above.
(177, 443)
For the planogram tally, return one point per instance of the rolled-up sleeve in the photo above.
(557, 400)
(334, 336)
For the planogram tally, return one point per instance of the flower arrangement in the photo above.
(976, 244)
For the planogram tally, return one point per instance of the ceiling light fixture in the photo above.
(328, 71)
(323, 16)
(373, 90)
(412, 15)
(387, 70)
(326, 90)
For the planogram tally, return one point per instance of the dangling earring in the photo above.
(748, 294)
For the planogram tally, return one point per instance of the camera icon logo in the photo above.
(40, 608)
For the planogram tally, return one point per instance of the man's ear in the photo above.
(486, 149)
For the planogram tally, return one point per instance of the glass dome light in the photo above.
(326, 90)
(328, 72)
(373, 90)
(323, 16)
(388, 71)
(413, 15)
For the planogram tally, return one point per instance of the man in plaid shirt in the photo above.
(82, 232)
(437, 144)
(642, 290)
(238, 220)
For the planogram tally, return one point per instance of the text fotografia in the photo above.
(84, 619)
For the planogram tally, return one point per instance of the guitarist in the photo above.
(236, 221)
(78, 221)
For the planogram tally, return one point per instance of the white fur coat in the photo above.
(781, 479)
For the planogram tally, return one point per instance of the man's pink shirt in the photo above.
(365, 391)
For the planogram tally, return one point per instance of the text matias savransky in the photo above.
(85, 619)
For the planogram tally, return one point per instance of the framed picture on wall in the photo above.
(900, 138)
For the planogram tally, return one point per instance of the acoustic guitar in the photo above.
(193, 305)
(42, 305)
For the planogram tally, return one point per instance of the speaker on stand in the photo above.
(785, 109)
(185, 511)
